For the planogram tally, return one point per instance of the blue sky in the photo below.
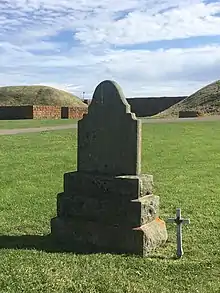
(151, 48)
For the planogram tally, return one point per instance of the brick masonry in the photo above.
(46, 112)
(77, 112)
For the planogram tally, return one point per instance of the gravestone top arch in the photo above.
(109, 136)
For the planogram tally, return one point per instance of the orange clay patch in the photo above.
(159, 221)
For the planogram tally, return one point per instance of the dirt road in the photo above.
(74, 126)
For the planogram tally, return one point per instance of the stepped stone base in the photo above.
(98, 237)
(108, 214)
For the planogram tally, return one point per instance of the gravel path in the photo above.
(36, 129)
(74, 126)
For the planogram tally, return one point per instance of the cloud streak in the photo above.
(76, 45)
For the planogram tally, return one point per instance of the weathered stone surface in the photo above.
(115, 212)
(107, 197)
(109, 135)
(146, 184)
(150, 207)
(109, 238)
(112, 186)
(155, 234)
(104, 238)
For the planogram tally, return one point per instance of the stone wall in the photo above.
(41, 112)
(189, 114)
(16, 112)
(143, 107)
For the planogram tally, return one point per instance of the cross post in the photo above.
(179, 222)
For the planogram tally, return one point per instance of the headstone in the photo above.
(107, 204)
(179, 221)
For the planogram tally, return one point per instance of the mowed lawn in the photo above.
(185, 161)
(32, 123)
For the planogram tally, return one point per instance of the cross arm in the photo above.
(186, 221)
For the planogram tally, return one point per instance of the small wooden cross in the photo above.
(179, 221)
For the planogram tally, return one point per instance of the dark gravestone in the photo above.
(107, 204)
(109, 136)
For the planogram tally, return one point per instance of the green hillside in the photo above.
(37, 95)
(205, 100)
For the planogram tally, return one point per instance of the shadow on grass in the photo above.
(48, 243)
(45, 243)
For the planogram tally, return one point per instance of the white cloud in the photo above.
(140, 26)
(28, 56)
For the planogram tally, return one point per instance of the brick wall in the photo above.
(46, 112)
(77, 112)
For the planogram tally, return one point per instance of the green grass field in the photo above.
(185, 161)
(31, 123)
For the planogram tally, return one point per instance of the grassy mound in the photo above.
(37, 95)
(205, 100)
